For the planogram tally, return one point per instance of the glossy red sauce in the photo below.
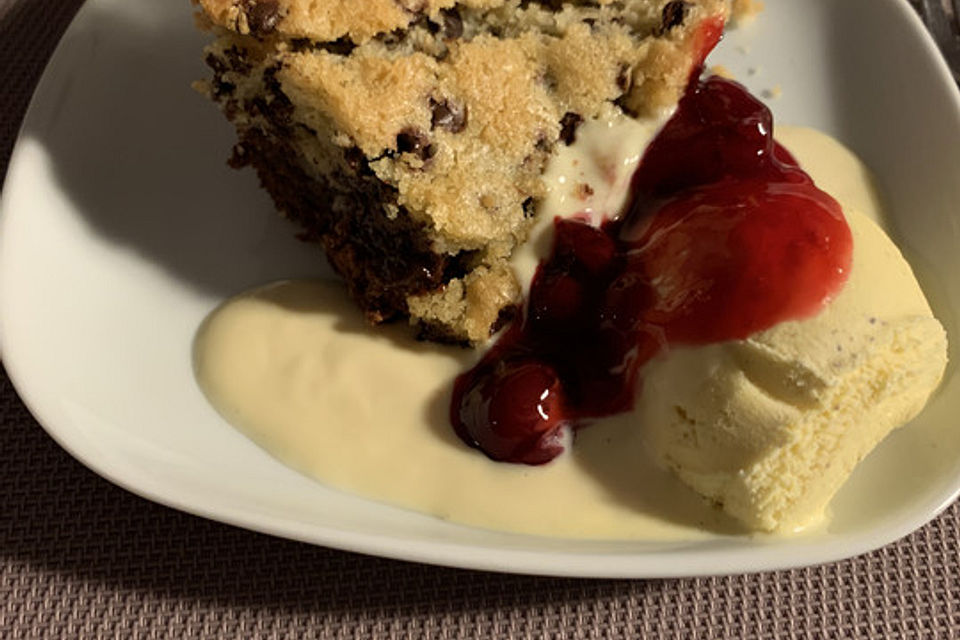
(705, 39)
(725, 235)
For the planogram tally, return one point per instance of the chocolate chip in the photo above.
(624, 103)
(529, 208)
(624, 77)
(341, 47)
(672, 16)
(546, 78)
(354, 158)
(231, 108)
(568, 127)
(299, 45)
(263, 16)
(416, 142)
(504, 317)
(239, 158)
(221, 88)
(215, 63)
(392, 38)
(552, 5)
(423, 22)
(452, 23)
(448, 115)
(275, 106)
(411, 141)
(237, 58)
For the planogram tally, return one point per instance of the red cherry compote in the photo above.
(725, 235)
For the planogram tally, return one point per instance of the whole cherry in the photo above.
(515, 412)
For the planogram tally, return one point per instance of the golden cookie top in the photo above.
(457, 106)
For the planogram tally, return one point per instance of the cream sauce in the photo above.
(295, 367)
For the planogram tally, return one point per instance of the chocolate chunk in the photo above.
(672, 16)
(448, 115)
(416, 142)
(568, 127)
(263, 16)
(452, 23)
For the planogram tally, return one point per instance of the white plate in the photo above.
(122, 228)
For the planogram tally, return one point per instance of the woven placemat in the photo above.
(82, 558)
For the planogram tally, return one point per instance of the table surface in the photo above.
(80, 557)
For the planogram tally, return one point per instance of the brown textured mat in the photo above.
(81, 558)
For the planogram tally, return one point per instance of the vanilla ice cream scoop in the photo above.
(770, 427)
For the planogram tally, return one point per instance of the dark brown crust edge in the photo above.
(382, 260)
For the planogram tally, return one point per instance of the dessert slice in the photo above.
(409, 137)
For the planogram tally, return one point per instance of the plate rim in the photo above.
(451, 554)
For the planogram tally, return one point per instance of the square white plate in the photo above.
(121, 228)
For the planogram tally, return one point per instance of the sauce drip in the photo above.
(725, 235)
